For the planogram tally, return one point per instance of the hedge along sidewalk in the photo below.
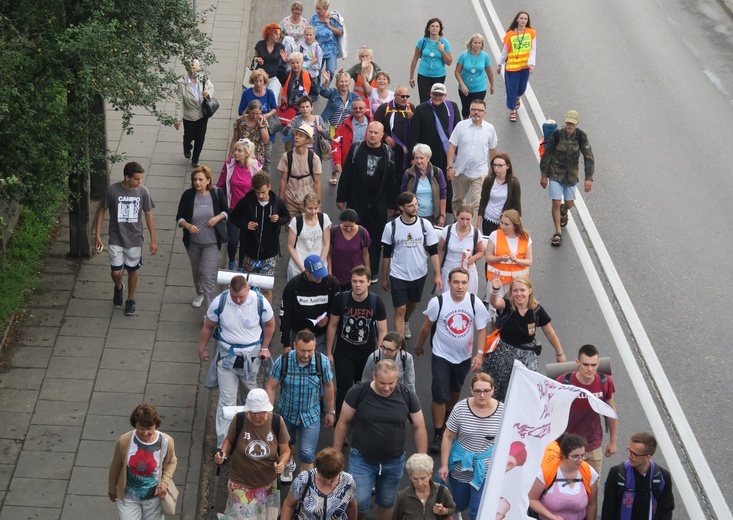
(79, 366)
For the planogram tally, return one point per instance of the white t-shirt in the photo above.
(310, 241)
(497, 199)
(454, 256)
(453, 340)
(240, 323)
(409, 257)
(473, 143)
(512, 242)
(375, 101)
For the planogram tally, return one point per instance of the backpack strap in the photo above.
(284, 362)
(275, 426)
(299, 222)
(475, 239)
(218, 311)
(319, 367)
(394, 227)
(445, 245)
(321, 220)
(310, 165)
(441, 492)
(289, 154)
(362, 237)
(240, 425)
(435, 323)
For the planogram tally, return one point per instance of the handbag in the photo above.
(324, 144)
(248, 73)
(274, 124)
(299, 505)
(169, 502)
(220, 228)
(210, 105)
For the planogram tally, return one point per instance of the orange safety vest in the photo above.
(508, 272)
(305, 78)
(518, 49)
(359, 87)
(551, 462)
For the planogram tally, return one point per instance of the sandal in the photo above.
(563, 216)
(556, 240)
(513, 116)
(333, 181)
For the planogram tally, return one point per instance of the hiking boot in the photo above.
(232, 266)
(117, 298)
(408, 332)
(130, 308)
(287, 476)
(198, 301)
(434, 447)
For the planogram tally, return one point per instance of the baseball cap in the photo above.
(572, 117)
(438, 88)
(314, 265)
(257, 401)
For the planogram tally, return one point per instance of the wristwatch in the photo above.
(331, 413)
(443, 215)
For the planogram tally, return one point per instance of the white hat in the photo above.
(257, 401)
(306, 129)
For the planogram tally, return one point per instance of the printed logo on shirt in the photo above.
(258, 449)
(310, 301)
(355, 329)
(372, 164)
(458, 323)
(128, 209)
(410, 241)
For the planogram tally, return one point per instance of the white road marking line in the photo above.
(667, 395)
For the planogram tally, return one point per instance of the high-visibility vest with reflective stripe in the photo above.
(510, 271)
(518, 49)
(359, 87)
(305, 78)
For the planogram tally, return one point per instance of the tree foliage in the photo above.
(59, 58)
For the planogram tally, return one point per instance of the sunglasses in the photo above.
(404, 96)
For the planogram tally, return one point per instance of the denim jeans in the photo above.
(385, 478)
(308, 439)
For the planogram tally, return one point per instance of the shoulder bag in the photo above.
(210, 105)
(220, 228)
(170, 500)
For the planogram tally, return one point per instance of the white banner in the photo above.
(535, 413)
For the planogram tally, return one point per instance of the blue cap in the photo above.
(314, 265)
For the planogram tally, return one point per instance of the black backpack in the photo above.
(422, 225)
(286, 361)
(364, 390)
(275, 426)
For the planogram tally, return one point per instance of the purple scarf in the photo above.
(627, 503)
(451, 121)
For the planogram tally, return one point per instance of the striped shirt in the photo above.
(474, 433)
(300, 388)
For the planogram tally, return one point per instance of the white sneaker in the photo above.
(198, 300)
(456, 516)
(287, 475)
(408, 332)
(375, 278)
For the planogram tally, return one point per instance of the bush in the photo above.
(23, 259)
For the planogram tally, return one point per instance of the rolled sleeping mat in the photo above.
(259, 280)
(555, 370)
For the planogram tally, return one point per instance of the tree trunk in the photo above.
(80, 232)
(100, 172)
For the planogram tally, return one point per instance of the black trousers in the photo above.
(466, 101)
(424, 84)
(348, 365)
(194, 131)
(375, 226)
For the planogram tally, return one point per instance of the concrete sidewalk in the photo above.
(78, 366)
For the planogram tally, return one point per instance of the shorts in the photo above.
(448, 378)
(131, 258)
(404, 290)
(560, 191)
(384, 478)
(266, 266)
(308, 439)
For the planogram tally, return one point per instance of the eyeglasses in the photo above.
(634, 454)
(353, 108)
(413, 205)
(497, 165)
(478, 110)
(579, 456)
(482, 392)
(404, 96)
(387, 349)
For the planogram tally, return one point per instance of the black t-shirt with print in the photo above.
(357, 327)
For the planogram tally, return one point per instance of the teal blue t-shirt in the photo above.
(474, 70)
(424, 194)
(431, 63)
